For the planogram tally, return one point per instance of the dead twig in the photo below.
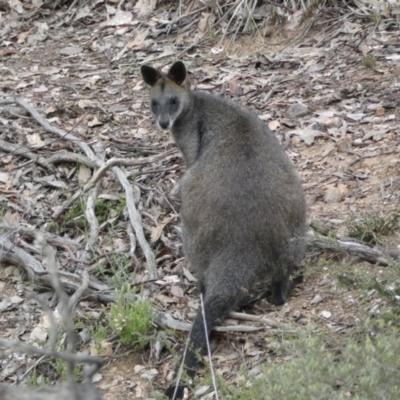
(92, 222)
(254, 318)
(39, 275)
(59, 132)
(25, 152)
(70, 157)
(100, 173)
(136, 222)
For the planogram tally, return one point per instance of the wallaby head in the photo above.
(169, 93)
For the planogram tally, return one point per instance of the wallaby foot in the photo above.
(179, 392)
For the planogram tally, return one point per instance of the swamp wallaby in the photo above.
(243, 210)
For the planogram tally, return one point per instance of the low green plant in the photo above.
(33, 380)
(362, 369)
(99, 333)
(60, 368)
(52, 226)
(105, 209)
(131, 318)
(76, 215)
(373, 226)
(369, 61)
(119, 272)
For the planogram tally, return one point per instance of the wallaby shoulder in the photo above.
(222, 122)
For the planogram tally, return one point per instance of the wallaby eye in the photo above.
(174, 101)
(154, 104)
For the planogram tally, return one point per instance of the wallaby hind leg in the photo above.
(216, 307)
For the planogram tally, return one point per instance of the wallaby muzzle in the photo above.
(164, 124)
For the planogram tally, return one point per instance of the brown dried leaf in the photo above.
(157, 231)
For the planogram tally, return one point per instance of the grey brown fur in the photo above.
(243, 211)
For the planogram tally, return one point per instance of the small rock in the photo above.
(344, 144)
(16, 299)
(297, 111)
(317, 126)
(255, 371)
(295, 140)
(296, 314)
(325, 314)
(138, 368)
(336, 221)
(70, 51)
(201, 391)
(4, 304)
(324, 281)
(39, 334)
(150, 374)
(334, 122)
(335, 194)
(332, 195)
(317, 299)
(97, 377)
(343, 190)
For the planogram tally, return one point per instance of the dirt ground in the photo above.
(338, 116)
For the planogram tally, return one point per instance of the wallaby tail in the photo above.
(216, 307)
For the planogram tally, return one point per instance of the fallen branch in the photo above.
(24, 152)
(353, 247)
(254, 318)
(40, 276)
(76, 158)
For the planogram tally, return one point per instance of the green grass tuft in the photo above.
(131, 318)
(373, 226)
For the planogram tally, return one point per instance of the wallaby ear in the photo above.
(177, 73)
(150, 75)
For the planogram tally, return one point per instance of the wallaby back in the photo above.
(243, 210)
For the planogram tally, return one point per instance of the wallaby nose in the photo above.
(163, 123)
